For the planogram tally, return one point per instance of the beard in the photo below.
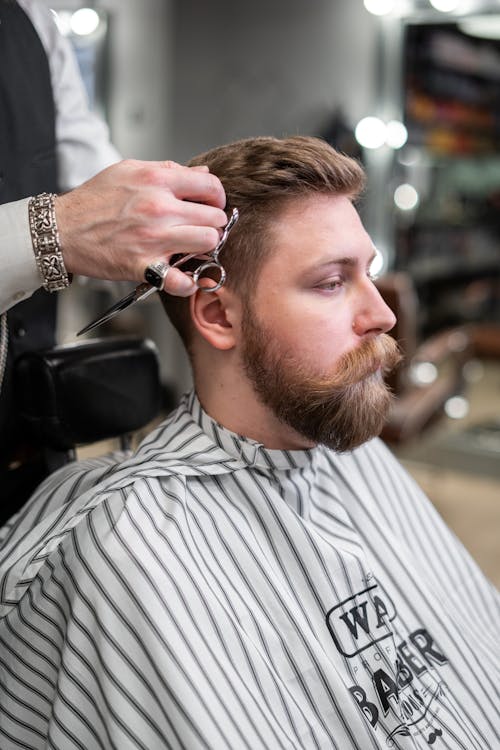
(341, 409)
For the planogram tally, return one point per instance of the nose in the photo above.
(373, 315)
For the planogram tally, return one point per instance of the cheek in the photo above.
(318, 335)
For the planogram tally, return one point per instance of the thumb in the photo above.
(179, 284)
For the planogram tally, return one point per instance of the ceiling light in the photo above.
(370, 132)
(379, 7)
(406, 197)
(396, 134)
(84, 21)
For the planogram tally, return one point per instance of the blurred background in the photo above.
(409, 87)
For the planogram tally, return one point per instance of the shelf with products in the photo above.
(450, 243)
(450, 246)
(452, 90)
(456, 272)
(439, 251)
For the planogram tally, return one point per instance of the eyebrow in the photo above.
(348, 261)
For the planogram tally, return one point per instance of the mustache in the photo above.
(380, 353)
(352, 371)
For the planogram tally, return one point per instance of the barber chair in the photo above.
(88, 392)
(432, 370)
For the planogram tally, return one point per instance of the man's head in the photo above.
(294, 339)
(261, 176)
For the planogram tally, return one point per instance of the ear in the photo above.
(215, 317)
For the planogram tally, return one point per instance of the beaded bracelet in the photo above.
(46, 244)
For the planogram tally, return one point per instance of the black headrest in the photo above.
(86, 392)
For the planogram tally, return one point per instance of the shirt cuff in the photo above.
(19, 275)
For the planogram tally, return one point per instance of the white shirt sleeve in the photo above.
(83, 149)
(19, 276)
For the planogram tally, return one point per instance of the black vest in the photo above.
(27, 167)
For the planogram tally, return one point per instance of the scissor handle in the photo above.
(204, 267)
(235, 215)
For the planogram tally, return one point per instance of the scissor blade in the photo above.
(136, 295)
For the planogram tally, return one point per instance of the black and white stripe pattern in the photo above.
(209, 593)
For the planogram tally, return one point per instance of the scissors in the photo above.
(156, 273)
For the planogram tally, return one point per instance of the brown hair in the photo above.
(260, 175)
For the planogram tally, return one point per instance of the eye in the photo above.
(331, 285)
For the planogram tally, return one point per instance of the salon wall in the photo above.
(185, 75)
(142, 66)
(263, 67)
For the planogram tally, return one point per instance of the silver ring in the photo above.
(156, 273)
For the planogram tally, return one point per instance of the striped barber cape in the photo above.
(206, 592)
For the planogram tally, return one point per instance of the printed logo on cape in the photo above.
(397, 685)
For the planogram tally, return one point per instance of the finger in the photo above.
(179, 284)
(193, 185)
(180, 240)
(188, 239)
(195, 214)
(200, 168)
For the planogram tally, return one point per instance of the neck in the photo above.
(229, 398)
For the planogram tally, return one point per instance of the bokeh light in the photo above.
(370, 132)
(84, 21)
(379, 7)
(396, 134)
(406, 197)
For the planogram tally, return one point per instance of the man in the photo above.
(110, 227)
(261, 573)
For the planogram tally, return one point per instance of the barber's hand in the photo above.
(137, 212)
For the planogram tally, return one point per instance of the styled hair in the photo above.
(260, 177)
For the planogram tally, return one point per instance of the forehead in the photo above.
(317, 229)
